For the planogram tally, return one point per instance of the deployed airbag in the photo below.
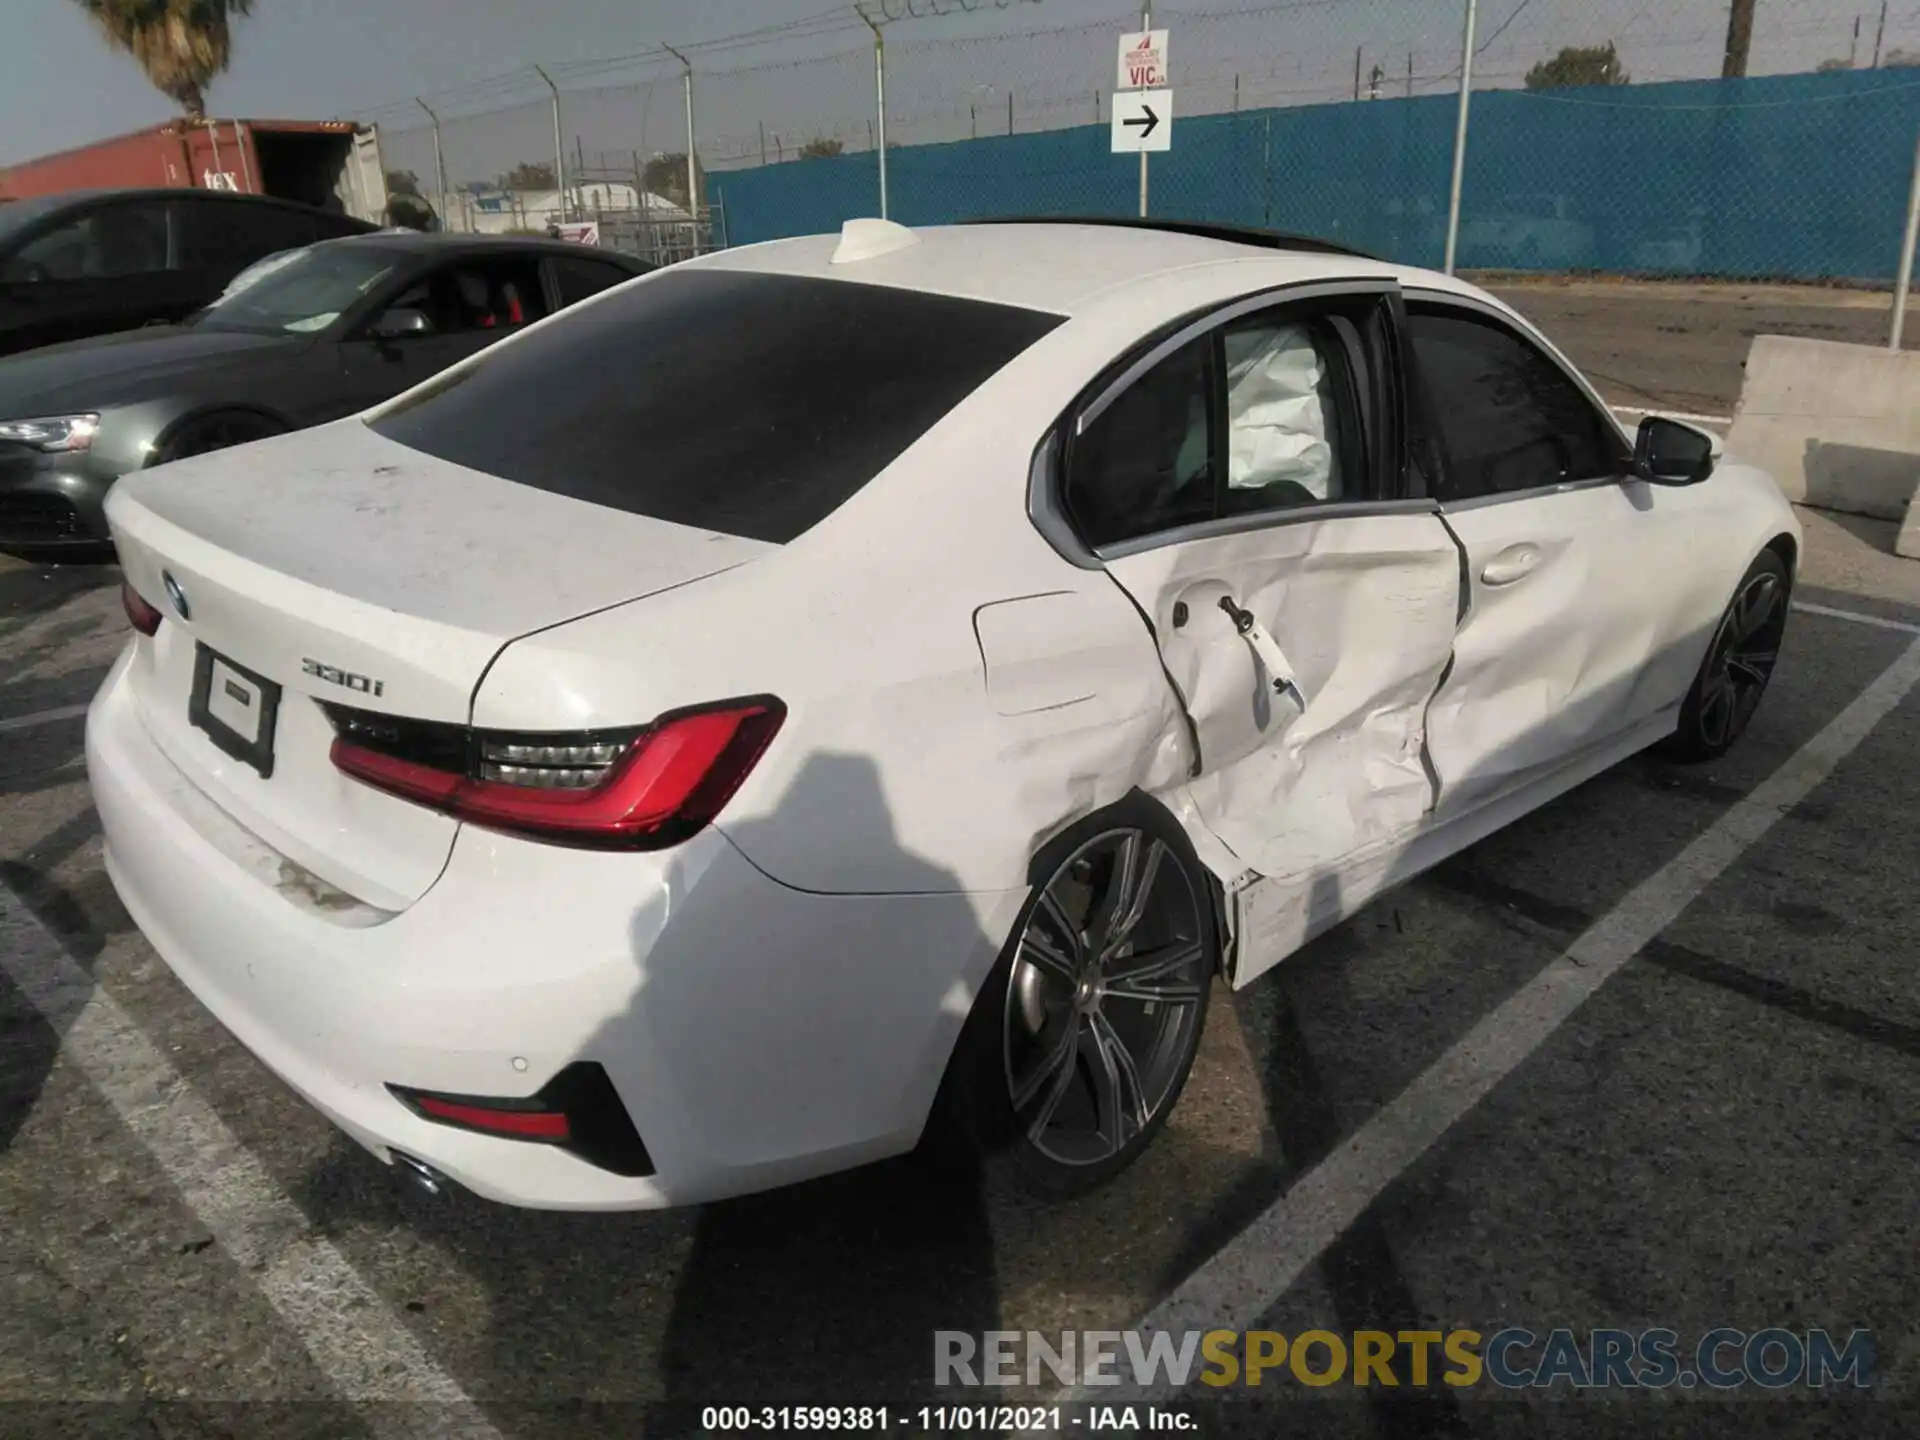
(1276, 412)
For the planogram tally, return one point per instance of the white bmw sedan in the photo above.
(856, 689)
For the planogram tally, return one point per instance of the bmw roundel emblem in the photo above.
(176, 596)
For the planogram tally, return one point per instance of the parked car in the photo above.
(302, 338)
(73, 266)
(843, 691)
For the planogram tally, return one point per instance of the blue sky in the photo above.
(60, 85)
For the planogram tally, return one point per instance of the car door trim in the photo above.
(1266, 520)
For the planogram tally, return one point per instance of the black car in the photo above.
(314, 335)
(94, 262)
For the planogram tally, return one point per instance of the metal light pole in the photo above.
(559, 145)
(1460, 136)
(879, 98)
(1146, 23)
(1904, 286)
(439, 166)
(693, 172)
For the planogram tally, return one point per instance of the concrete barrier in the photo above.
(1838, 426)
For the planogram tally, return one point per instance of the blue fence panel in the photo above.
(1792, 176)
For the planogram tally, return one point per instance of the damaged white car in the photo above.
(855, 686)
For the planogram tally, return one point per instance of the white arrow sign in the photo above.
(1142, 120)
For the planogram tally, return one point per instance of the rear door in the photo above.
(1244, 483)
(469, 303)
(1581, 602)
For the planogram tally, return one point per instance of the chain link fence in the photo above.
(1752, 139)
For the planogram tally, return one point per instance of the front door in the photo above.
(1247, 491)
(1578, 624)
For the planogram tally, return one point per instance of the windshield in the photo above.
(305, 291)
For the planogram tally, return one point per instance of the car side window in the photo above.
(1260, 415)
(576, 279)
(229, 235)
(1146, 463)
(486, 293)
(1507, 417)
(105, 243)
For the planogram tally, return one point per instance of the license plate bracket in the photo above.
(235, 707)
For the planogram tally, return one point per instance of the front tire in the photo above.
(1080, 1042)
(1738, 665)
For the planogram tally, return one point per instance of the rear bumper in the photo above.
(755, 1034)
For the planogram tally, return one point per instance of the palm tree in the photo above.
(180, 44)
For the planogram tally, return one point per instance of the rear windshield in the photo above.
(749, 404)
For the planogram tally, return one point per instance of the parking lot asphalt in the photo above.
(1676, 346)
(1723, 1133)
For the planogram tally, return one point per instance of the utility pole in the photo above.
(1356, 72)
(439, 166)
(1853, 50)
(559, 147)
(879, 100)
(1409, 74)
(1460, 136)
(763, 142)
(693, 164)
(1739, 40)
(1880, 35)
(1146, 23)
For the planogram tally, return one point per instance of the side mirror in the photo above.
(1667, 452)
(393, 324)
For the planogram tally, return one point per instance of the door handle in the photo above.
(1279, 668)
(1516, 562)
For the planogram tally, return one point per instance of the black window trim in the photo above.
(1046, 506)
(1520, 330)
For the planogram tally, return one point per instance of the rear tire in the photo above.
(1738, 665)
(219, 431)
(1082, 1038)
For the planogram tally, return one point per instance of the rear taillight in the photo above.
(641, 789)
(142, 616)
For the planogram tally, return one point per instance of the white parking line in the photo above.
(1878, 621)
(1691, 419)
(355, 1339)
(43, 717)
(1256, 1268)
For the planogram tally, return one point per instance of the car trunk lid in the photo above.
(334, 566)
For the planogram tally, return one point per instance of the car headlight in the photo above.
(53, 432)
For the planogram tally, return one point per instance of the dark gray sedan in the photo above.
(302, 338)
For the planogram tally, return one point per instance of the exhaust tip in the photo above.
(420, 1175)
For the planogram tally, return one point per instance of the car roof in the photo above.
(48, 204)
(418, 242)
(1064, 265)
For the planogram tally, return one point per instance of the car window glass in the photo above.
(105, 243)
(1284, 429)
(1146, 463)
(311, 290)
(1508, 417)
(750, 404)
(577, 279)
(485, 294)
(227, 235)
